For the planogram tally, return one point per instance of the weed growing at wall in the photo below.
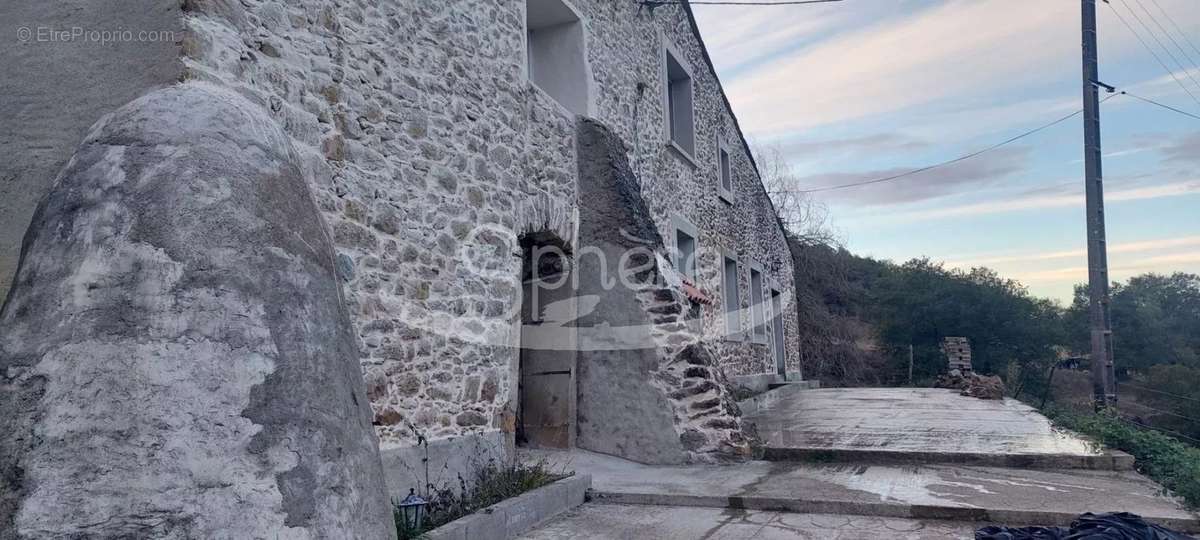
(491, 483)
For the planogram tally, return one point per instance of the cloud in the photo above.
(1044, 201)
(1183, 151)
(797, 69)
(1113, 249)
(908, 61)
(1079, 274)
(1038, 271)
(736, 36)
(1166, 85)
(1174, 258)
(957, 177)
(873, 144)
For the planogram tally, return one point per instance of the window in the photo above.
(680, 123)
(733, 321)
(685, 254)
(757, 311)
(555, 53)
(724, 173)
(685, 247)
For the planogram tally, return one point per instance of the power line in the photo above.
(951, 161)
(656, 3)
(1143, 388)
(985, 150)
(1163, 105)
(1151, 51)
(1153, 35)
(1182, 34)
(1183, 52)
(1160, 411)
(1167, 431)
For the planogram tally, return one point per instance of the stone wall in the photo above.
(428, 152)
(418, 128)
(418, 131)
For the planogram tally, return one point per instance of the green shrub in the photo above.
(1168, 461)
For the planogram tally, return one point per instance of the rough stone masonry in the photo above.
(417, 130)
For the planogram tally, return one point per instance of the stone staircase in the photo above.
(706, 416)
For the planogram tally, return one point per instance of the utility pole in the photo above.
(1104, 384)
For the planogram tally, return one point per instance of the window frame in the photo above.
(589, 104)
(725, 193)
(758, 318)
(682, 224)
(668, 53)
(735, 330)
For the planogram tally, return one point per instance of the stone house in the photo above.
(544, 224)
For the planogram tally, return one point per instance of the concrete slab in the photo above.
(611, 521)
(920, 425)
(1009, 496)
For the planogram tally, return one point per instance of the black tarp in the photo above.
(1113, 526)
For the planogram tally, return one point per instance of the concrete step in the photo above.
(986, 494)
(775, 393)
(891, 509)
(804, 385)
(598, 521)
(1109, 460)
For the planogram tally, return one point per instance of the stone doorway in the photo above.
(549, 338)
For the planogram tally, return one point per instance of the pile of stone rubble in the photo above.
(972, 384)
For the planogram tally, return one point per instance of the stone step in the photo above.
(1111, 460)
(998, 495)
(777, 391)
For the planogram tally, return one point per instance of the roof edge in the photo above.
(691, 17)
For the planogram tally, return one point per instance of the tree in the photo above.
(1156, 346)
(802, 216)
(921, 302)
(1155, 319)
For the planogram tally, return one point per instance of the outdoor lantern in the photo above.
(412, 508)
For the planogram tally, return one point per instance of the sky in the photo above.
(863, 89)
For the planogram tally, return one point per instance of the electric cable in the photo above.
(1151, 51)
(951, 161)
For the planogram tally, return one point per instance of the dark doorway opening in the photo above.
(546, 362)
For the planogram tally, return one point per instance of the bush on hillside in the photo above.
(1167, 460)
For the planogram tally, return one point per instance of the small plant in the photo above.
(491, 483)
(1168, 461)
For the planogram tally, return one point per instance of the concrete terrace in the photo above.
(951, 492)
(859, 461)
(920, 425)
